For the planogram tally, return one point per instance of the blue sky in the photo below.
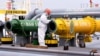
(54, 4)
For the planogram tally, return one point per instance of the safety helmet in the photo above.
(48, 11)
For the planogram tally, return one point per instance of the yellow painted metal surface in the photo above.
(63, 28)
(86, 25)
(97, 26)
(12, 11)
(88, 39)
(67, 36)
(6, 39)
(52, 41)
(62, 25)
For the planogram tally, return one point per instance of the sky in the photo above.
(53, 4)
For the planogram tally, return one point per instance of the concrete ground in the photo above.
(94, 44)
(51, 51)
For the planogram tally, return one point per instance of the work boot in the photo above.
(42, 44)
(44, 47)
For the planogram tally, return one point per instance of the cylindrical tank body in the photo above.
(86, 25)
(82, 26)
(27, 25)
(63, 28)
(97, 25)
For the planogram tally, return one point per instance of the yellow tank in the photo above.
(63, 27)
(86, 25)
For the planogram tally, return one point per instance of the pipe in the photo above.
(92, 9)
(31, 14)
(36, 12)
(62, 13)
(26, 25)
(75, 14)
(36, 17)
(18, 26)
(97, 26)
(68, 28)
(87, 25)
(61, 26)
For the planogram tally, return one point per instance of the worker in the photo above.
(42, 27)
